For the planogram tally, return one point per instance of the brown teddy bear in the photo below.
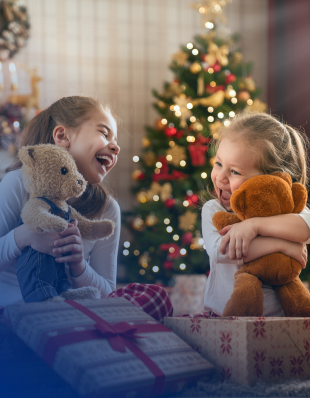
(51, 177)
(265, 196)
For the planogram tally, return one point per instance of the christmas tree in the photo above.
(211, 84)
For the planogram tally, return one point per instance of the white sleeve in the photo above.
(100, 272)
(212, 239)
(12, 198)
(305, 215)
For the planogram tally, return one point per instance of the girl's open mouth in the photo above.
(104, 161)
(225, 196)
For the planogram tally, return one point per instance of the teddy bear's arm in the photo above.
(300, 197)
(221, 219)
(93, 229)
(37, 217)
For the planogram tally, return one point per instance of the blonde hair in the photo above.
(70, 112)
(278, 146)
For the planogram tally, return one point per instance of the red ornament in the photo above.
(176, 175)
(141, 176)
(179, 134)
(170, 131)
(230, 79)
(186, 238)
(169, 203)
(198, 154)
(216, 67)
(192, 199)
(167, 264)
(212, 90)
(172, 248)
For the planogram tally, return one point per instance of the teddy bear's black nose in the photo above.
(80, 182)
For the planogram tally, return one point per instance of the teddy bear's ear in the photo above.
(26, 155)
(300, 197)
(286, 177)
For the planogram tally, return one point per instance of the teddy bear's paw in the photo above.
(88, 292)
(102, 229)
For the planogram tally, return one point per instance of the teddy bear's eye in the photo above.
(64, 170)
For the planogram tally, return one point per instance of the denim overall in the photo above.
(40, 277)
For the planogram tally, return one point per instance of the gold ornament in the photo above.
(212, 161)
(151, 220)
(144, 259)
(178, 153)
(249, 84)
(158, 125)
(214, 127)
(236, 58)
(149, 158)
(187, 219)
(211, 10)
(182, 102)
(172, 90)
(216, 53)
(165, 192)
(138, 224)
(197, 241)
(146, 142)
(197, 126)
(243, 96)
(180, 58)
(200, 84)
(195, 68)
(135, 175)
(141, 196)
(257, 106)
(213, 100)
(161, 104)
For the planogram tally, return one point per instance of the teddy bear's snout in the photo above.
(80, 182)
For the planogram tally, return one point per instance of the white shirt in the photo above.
(220, 282)
(100, 256)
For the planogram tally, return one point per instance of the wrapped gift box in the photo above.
(246, 350)
(107, 347)
(188, 293)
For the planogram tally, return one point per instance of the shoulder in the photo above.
(111, 209)
(13, 181)
(211, 207)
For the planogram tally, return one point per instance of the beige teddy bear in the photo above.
(51, 177)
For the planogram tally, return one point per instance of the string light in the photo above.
(185, 203)
(183, 252)
(209, 25)
(215, 136)
(143, 199)
(189, 46)
(210, 109)
(249, 102)
(189, 105)
(175, 237)
(204, 175)
(192, 247)
(220, 115)
(157, 171)
(226, 123)
(156, 198)
(136, 252)
(182, 266)
(171, 144)
(169, 229)
(145, 265)
(213, 84)
(155, 268)
(126, 244)
(178, 113)
(182, 163)
(190, 138)
(202, 10)
(234, 100)
(169, 158)
(166, 221)
(192, 119)
(142, 272)
(176, 107)
(210, 119)
(136, 159)
(232, 93)
(164, 121)
(210, 70)
(172, 107)
(195, 51)
(201, 241)
(171, 250)
(159, 165)
(16, 124)
(125, 252)
(232, 114)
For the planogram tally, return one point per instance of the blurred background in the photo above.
(118, 51)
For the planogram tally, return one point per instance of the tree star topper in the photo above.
(211, 10)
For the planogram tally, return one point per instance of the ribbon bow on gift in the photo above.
(115, 334)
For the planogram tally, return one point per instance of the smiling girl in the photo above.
(88, 131)
(252, 145)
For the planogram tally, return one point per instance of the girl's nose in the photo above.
(114, 148)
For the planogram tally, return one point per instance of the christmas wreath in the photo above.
(14, 28)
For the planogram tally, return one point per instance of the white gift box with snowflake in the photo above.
(246, 350)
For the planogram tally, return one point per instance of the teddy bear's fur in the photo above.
(264, 196)
(50, 171)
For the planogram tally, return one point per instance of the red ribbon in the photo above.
(119, 336)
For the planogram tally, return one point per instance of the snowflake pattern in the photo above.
(226, 372)
(306, 324)
(307, 349)
(226, 340)
(297, 366)
(259, 330)
(276, 366)
(195, 327)
(259, 358)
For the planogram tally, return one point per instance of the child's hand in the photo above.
(296, 250)
(71, 241)
(239, 236)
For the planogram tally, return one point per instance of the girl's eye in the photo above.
(235, 172)
(104, 133)
(218, 164)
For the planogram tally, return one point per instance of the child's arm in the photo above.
(290, 227)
